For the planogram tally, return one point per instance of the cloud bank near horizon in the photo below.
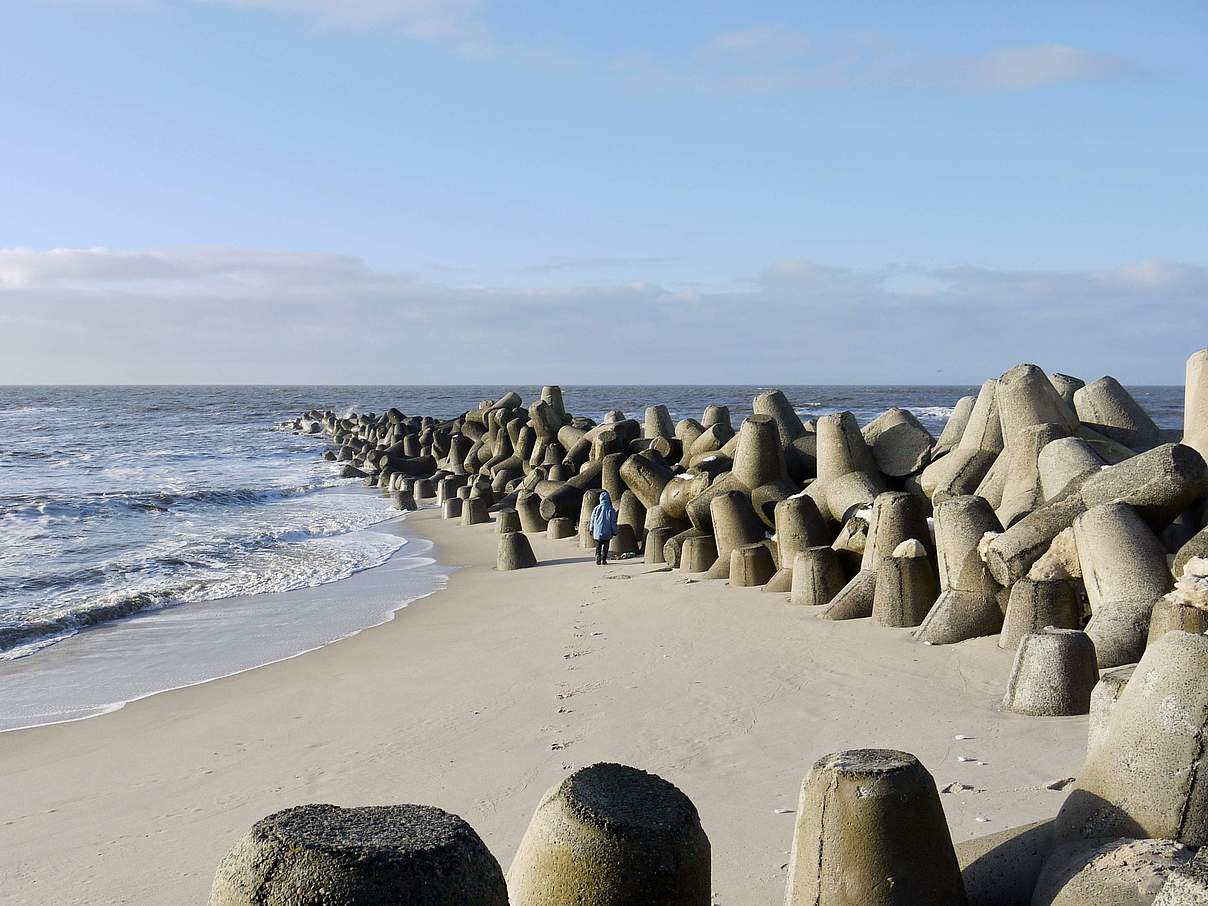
(239, 316)
(760, 58)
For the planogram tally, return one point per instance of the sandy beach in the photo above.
(481, 696)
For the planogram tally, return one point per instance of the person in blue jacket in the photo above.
(603, 526)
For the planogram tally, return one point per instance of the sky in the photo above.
(470, 191)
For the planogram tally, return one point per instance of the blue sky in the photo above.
(295, 190)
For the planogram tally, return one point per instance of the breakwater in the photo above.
(1053, 514)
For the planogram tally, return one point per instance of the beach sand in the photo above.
(480, 697)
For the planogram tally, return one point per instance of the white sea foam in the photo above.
(931, 411)
(170, 649)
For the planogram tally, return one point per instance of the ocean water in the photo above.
(132, 507)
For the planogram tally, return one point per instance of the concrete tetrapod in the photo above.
(871, 832)
(1021, 491)
(528, 505)
(851, 541)
(656, 517)
(451, 508)
(960, 471)
(984, 429)
(1001, 869)
(799, 525)
(751, 565)
(1027, 397)
(1066, 385)
(687, 430)
(817, 577)
(847, 493)
(954, 427)
(854, 600)
(993, 485)
(900, 444)
(1160, 484)
(671, 550)
(646, 475)
(896, 517)
(515, 552)
(1125, 573)
(1037, 604)
(565, 500)
(551, 395)
(507, 521)
(630, 512)
(697, 553)
(841, 447)
(698, 511)
(1110, 410)
(610, 475)
(735, 524)
(716, 415)
(906, 587)
(656, 540)
(1062, 460)
(1171, 613)
(612, 835)
(781, 581)
(447, 487)
(369, 856)
(403, 500)
(560, 527)
(968, 605)
(775, 405)
(657, 423)
(586, 505)
(708, 442)
(1114, 872)
(1195, 406)
(678, 493)
(1149, 777)
(840, 450)
(1186, 884)
(1053, 674)
(797, 443)
(475, 511)
(759, 459)
(624, 542)
(1196, 546)
(1103, 701)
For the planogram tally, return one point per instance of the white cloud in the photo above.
(96, 315)
(214, 269)
(456, 22)
(756, 59)
(1048, 64)
(761, 40)
(557, 265)
(774, 58)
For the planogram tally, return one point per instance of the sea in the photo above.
(155, 537)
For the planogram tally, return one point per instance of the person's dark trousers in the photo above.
(602, 551)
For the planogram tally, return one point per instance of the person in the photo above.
(603, 526)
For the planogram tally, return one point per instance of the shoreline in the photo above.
(158, 641)
(481, 695)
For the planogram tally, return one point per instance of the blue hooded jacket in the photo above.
(604, 518)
